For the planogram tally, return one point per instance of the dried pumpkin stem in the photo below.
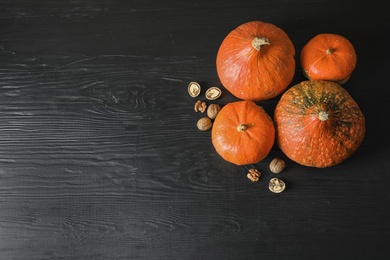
(259, 42)
(242, 127)
(329, 51)
(323, 116)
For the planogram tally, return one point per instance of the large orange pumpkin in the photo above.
(256, 61)
(243, 133)
(330, 57)
(318, 124)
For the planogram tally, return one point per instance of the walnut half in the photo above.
(213, 93)
(194, 89)
(276, 185)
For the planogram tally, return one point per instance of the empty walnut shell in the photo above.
(194, 89)
(213, 93)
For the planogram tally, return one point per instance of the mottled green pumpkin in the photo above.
(318, 124)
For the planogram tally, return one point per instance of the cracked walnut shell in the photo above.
(213, 93)
(276, 185)
(194, 89)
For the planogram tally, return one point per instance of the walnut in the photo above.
(213, 93)
(194, 89)
(276, 185)
(213, 110)
(200, 106)
(253, 175)
(277, 165)
(204, 124)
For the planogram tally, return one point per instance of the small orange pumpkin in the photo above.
(256, 61)
(328, 57)
(243, 133)
(318, 124)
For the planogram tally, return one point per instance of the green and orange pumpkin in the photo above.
(318, 124)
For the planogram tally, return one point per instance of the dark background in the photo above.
(100, 157)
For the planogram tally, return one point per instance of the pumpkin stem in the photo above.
(242, 127)
(329, 51)
(259, 42)
(323, 116)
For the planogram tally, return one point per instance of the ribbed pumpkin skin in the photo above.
(245, 147)
(328, 57)
(307, 140)
(252, 74)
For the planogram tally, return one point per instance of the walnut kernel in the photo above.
(213, 110)
(204, 124)
(277, 165)
(200, 106)
(253, 175)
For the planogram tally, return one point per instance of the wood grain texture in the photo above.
(100, 157)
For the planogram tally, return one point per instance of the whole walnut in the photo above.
(212, 110)
(277, 165)
(204, 124)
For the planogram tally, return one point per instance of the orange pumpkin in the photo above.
(328, 57)
(256, 61)
(243, 133)
(318, 124)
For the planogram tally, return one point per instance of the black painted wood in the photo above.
(100, 157)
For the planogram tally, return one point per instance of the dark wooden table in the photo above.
(100, 157)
